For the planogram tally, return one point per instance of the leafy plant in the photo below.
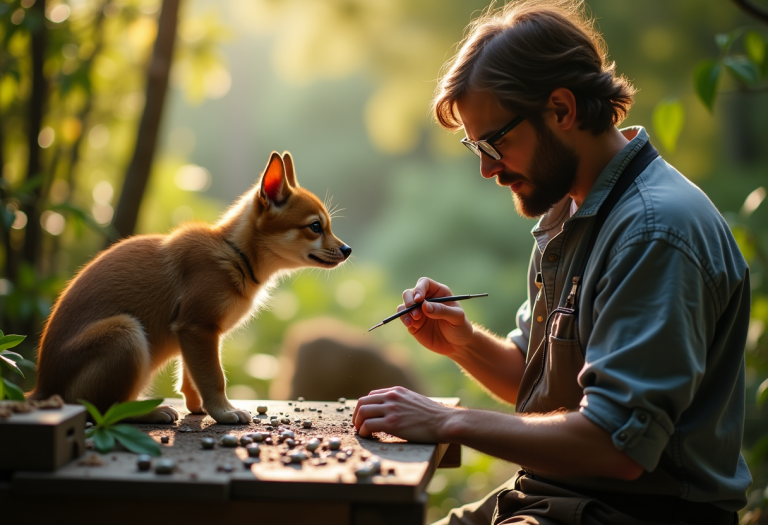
(9, 390)
(106, 430)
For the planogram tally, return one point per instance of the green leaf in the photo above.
(9, 341)
(743, 69)
(762, 393)
(135, 440)
(103, 439)
(13, 392)
(2, 390)
(129, 409)
(705, 79)
(754, 45)
(668, 121)
(11, 363)
(725, 40)
(95, 414)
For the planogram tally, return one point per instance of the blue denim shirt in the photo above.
(664, 314)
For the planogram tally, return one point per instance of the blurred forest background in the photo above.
(131, 116)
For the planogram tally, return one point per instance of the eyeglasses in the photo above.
(487, 146)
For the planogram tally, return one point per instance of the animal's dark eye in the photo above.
(315, 227)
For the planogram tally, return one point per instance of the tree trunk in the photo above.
(37, 99)
(138, 172)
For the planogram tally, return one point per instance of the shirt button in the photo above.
(552, 258)
(622, 436)
(539, 318)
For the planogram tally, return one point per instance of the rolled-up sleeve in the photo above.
(654, 315)
(522, 334)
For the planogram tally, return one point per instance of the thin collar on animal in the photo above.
(244, 258)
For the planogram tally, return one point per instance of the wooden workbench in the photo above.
(321, 490)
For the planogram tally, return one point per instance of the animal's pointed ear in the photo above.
(274, 185)
(290, 171)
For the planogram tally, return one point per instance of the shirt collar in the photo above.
(597, 194)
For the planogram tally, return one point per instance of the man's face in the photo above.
(536, 165)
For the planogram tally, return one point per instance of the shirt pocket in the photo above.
(559, 387)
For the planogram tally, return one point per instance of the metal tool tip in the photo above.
(378, 325)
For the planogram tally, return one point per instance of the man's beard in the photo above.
(552, 174)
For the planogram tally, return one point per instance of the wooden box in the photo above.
(42, 439)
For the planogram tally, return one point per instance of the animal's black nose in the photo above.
(346, 250)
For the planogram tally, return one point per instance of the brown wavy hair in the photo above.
(523, 51)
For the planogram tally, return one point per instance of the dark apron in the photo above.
(550, 382)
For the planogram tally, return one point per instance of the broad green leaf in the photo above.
(742, 68)
(668, 121)
(9, 341)
(129, 409)
(13, 392)
(705, 79)
(135, 440)
(754, 45)
(725, 40)
(95, 414)
(2, 390)
(11, 363)
(103, 439)
(762, 393)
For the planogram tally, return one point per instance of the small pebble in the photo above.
(257, 437)
(288, 434)
(286, 461)
(312, 409)
(164, 466)
(364, 471)
(320, 462)
(208, 443)
(290, 404)
(348, 407)
(342, 400)
(247, 462)
(307, 423)
(226, 467)
(297, 456)
(291, 443)
(245, 441)
(285, 421)
(375, 463)
(334, 443)
(268, 441)
(297, 420)
(341, 457)
(339, 409)
(319, 410)
(229, 440)
(297, 409)
(253, 450)
(262, 409)
(164, 439)
(88, 424)
(300, 398)
(144, 462)
(313, 445)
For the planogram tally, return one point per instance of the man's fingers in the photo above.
(367, 412)
(453, 314)
(372, 425)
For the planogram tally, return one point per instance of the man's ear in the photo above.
(290, 172)
(563, 102)
(274, 185)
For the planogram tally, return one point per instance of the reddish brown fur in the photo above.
(149, 298)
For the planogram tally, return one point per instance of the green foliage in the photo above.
(11, 361)
(106, 430)
(668, 119)
(705, 78)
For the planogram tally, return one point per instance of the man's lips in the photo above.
(515, 187)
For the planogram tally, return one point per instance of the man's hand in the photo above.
(402, 413)
(440, 327)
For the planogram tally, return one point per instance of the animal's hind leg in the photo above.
(114, 365)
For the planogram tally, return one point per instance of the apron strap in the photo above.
(636, 166)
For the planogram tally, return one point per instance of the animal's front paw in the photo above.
(195, 409)
(232, 416)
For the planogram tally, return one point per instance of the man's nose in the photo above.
(489, 168)
(345, 250)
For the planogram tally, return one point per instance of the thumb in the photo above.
(453, 314)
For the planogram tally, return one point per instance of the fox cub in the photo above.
(150, 297)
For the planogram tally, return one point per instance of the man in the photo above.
(627, 364)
